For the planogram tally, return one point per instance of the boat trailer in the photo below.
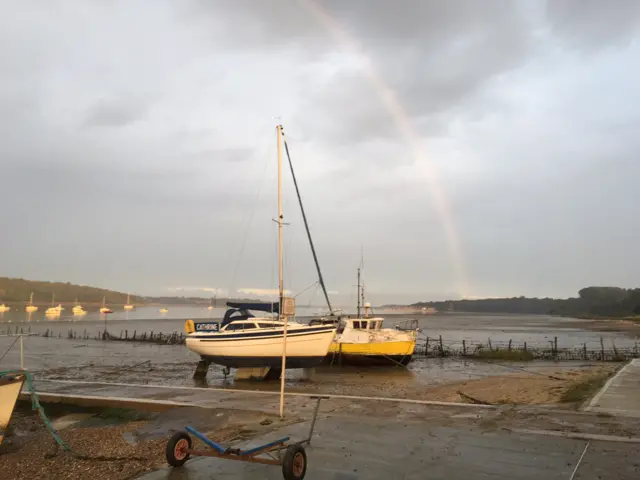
(293, 460)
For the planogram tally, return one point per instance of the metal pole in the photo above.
(21, 352)
(358, 294)
(280, 272)
(315, 416)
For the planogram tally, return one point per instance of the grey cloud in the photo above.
(233, 155)
(115, 112)
(594, 24)
(535, 142)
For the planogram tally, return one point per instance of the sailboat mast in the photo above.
(280, 272)
(280, 216)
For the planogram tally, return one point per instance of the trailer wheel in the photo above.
(177, 449)
(294, 463)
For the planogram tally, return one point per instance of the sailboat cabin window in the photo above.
(240, 326)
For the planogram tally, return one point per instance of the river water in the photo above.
(91, 360)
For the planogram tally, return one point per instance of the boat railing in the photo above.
(409, 325)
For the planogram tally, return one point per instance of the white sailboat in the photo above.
(54, 311)
(128, 306)
(30, 308)
(104, 308)
(244, 340)
(78, 309)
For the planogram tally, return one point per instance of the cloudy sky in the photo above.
(467, 148)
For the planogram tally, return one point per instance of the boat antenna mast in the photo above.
(306, 226)
(358, 294)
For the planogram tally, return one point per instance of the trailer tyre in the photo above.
(177, 449)
(294, 463)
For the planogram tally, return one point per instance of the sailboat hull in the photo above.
(10, 387)
(306, 348)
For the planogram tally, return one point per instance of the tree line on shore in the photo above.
(596, 302)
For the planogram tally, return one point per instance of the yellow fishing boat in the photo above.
(364, 341)
(4, 308)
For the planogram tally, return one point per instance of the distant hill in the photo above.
(18, 290)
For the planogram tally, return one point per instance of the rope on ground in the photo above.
(473, 400)
(35, 405)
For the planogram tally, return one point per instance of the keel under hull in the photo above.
(337, 359)
(257, 362)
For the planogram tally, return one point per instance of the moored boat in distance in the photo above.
(104, 308)
(163, 310)
(54, 311)
(78, 309)
(30, 308)
(4, 308)
(244, 340)
(128, 306)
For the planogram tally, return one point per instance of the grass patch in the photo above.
(583, 389)
(515, 355)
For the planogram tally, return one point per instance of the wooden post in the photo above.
(490, 347)
(441, 347)
(126, 334)
(426, 347)
(464, 348)
(602, 349)
(555, 345)
(525, 346)
(584, 349)
(509, 344)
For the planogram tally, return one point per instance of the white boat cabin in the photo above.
(346, 324)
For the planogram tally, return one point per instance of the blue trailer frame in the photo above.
(293, 461)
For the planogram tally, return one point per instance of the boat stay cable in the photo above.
(306, 226)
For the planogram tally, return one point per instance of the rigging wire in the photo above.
(306, 226)
(309, 287)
